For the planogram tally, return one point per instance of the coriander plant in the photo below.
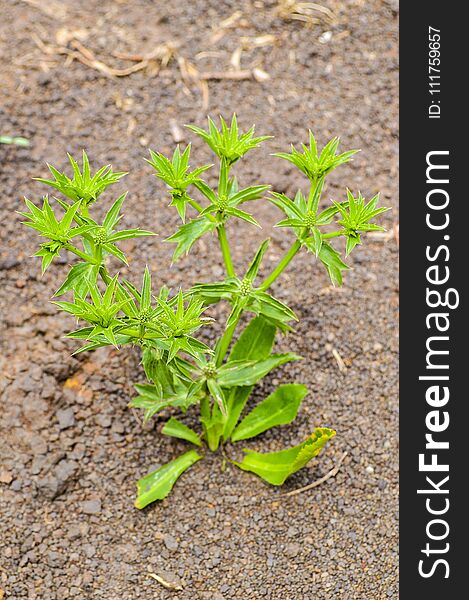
(182, 370)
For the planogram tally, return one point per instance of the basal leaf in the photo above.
(254, 343)
(235, 373)
(157, 485)
(275, 467)
(280, 408)
(177, 429)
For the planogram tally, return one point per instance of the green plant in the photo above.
(182, 370)
(15, 141)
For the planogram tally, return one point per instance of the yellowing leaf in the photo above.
(275, 467)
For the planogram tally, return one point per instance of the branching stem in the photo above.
(288, 257)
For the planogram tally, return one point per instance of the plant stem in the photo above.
(81, 254)
(225, 341)
(312, 189)
(105, 275)
(334, 234)
(211, 436)
(198, 207)
(223, 177)
(281, 265)
(225, 249)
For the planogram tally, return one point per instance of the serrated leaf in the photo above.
(333, 262)
(280, 408)
(241, 214)
(79, 278)
(256, 262)
(158, 485)
(128, 234)
(272, 309)
(188, 234)
(314, 242)
(276, 467)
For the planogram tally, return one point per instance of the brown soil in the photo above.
(70, 449)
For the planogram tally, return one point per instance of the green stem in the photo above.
(334, 234)
(225, 249)
(281, 265)
(211, 436)
(105, 275)
(199, 208)
(81, 254)
(225, 341)
(223, 177)
(312, 189)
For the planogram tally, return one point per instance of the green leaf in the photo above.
(313, 164)
(218, 395)
(247, 194)
(127, 234)
(227, 142)
(241, 214)
(352, 241)
(188, 234)
(156, 369)
(242, 372)
(272, 309)
(285, 203)
(280, 408)
(254, 343)
(82, 188)
(177, 429)
(314, 242)
(256, 262)
(157, 485)
(112, 217)
(206, 191)
(175, 173)
(333, 262)
(79, 278)
(275, 467)
(168, 390)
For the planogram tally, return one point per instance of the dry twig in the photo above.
(339, 360)
(170, 585)
(308, 12)
(332, 473)
(71, 46)
(51, 8)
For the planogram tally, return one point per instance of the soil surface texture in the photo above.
(118, 77)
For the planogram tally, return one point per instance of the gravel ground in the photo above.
(70, 449)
